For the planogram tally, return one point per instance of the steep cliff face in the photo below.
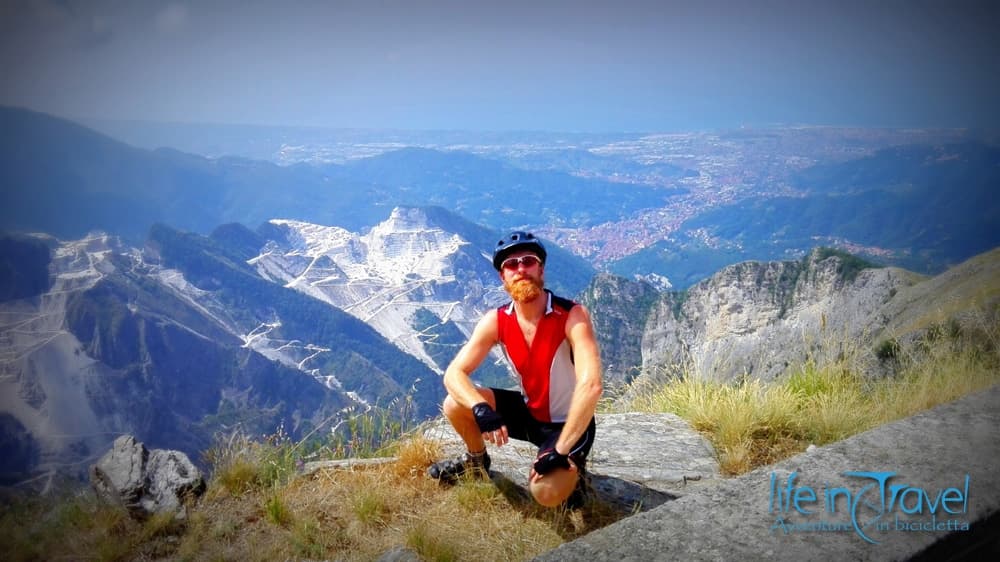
(123, 342)
(757, 318)
(619, 309)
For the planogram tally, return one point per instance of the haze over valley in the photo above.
(635, 204)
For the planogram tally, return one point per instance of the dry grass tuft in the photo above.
(257, 509)
(415, 455)
(373, 510)
(358, 514)
(753, 424)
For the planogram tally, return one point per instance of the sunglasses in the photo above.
(514, 263)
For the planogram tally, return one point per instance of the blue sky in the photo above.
(583, 65)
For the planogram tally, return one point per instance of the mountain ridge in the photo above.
(67, 180)
(121, 322)
(923, 208)
(96, 318)
(680, 206)
(176, 342)
(755, 319)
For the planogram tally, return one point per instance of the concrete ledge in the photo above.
(746, 518)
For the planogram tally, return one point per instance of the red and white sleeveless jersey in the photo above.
(546, 369)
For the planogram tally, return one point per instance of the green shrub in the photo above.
(277, 511)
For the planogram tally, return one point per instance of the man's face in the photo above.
(524, 279)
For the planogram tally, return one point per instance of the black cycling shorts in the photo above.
(523, 426)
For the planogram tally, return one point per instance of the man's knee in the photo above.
(451, 406)
(554, 488)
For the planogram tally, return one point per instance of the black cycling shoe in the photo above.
(450, 470)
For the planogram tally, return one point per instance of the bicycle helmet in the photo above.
(515, 242)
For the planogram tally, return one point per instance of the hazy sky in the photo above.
(585, 65)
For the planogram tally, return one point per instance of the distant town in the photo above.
(697, 170)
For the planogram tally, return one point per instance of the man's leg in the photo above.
(556, 487)
(464, 422)
(476, 461)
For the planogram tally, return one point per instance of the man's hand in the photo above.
(490, 423)
(549, 460)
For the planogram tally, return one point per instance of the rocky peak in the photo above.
(403, 265)
(405, 219)
(756, 318)
(750, 318)
(407, 246)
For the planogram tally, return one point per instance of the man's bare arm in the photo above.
(472, 354)
(587, 361)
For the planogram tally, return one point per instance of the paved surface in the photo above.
(930, 453)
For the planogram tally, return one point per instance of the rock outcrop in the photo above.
(757, 319)
(929, 456)
(145, 482)
(123, 343)
(624, 306)
(638, 461)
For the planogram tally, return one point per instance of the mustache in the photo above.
(525, 279)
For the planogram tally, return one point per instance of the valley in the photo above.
(176, 294)
(682, 177)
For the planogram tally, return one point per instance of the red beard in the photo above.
(524, 289)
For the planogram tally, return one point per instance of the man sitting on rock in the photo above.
(549, 342)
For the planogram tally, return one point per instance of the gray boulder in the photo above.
(145, 482)
(926, 454)
(638, 461)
